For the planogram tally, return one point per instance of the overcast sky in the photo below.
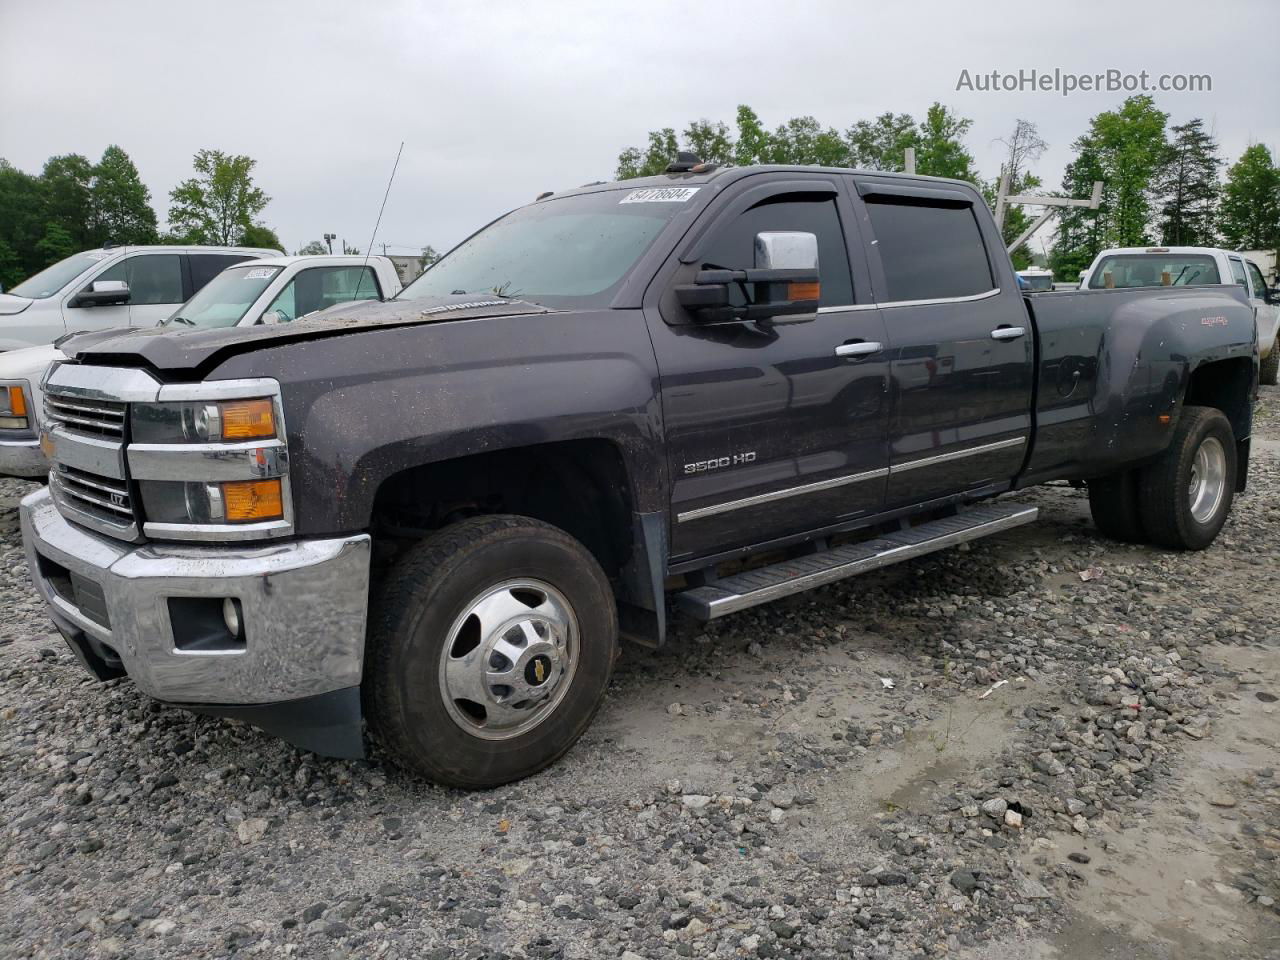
(498, 101)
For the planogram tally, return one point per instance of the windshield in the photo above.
(225, 299)
(52, 279)
(567, 252)
(1154, 270)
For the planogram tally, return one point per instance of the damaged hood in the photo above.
(175, 347)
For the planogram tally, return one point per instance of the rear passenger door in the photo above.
(959, 341)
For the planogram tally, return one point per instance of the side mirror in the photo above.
(783, 283)
(102, 293)
(1271, 296)
(273, 317)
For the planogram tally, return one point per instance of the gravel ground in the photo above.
(822, 777)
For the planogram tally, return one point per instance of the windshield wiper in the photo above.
(189, 323)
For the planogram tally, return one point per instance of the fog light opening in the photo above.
(233, 617)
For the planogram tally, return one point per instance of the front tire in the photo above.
(490, 650)
(1269, 372)
(1186, 495)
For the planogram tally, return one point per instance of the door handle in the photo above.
(860, 349)
(1007, 333)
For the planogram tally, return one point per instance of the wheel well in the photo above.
(1227, 385)
(580, 486)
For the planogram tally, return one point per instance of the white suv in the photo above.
(111, 287)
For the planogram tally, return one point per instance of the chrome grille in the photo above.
(90, 491)
(88, 479)
(101, 418)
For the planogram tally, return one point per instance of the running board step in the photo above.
(743, 590)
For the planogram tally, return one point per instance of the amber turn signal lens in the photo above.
(249, 500)
(803, 291)
(248, 420)
(17, 402)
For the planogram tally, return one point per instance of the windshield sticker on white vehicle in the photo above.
(660, 195)
(259, 273)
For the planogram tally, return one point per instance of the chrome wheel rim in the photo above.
(509, 659)
(1208, 480)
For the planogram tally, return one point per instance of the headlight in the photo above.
(196, 422)
(13, 408)
(211, 462)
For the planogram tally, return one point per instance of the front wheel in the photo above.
(490, 650)
(1269, 372)
(1185, 496)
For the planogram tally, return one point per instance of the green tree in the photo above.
(22, 223)
(122, 211)
(1250, 217)
(881, 144)
(1125, 149)
(314, 248)
(752, 145)
(218, 204)
(56, 244)
(661, 151)
(66, 184)
(429, 256)
(1187, 186)
(710, 141)
(802, 140)
(257, 235)
(940, 151)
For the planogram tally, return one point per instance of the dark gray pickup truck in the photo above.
(700, 391)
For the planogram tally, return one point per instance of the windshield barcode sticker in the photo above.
(260, 273)
(660, 195)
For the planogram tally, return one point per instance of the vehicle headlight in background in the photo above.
(14, 412)
(204, 422)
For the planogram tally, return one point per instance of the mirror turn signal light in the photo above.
(246, 501)
(248, 420)
(804, 291)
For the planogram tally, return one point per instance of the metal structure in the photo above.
(1052, 205)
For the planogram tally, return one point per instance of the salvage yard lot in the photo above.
(819, 777)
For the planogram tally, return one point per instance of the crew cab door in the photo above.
(959, 340)
(772, 428)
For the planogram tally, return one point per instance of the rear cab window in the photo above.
(1126, 270)
(206, 266)
(929, 249)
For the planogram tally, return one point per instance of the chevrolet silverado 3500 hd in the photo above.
(708, 389)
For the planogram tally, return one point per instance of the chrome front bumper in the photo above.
(23, 458)
(303, 604)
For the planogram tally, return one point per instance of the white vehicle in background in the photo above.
(1195, 266)
(269, 290)
(110, 287)
(1036, 280)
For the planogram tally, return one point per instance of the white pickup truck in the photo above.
(269, 290)
(1195, 267)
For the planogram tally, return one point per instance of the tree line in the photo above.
(74, 204)
(1161, 183)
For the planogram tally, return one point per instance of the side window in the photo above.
(1259, 285)
(323, 287)
(1237, 273)
(929, 250)
(152, 277)
(733, 246)
(206, 266)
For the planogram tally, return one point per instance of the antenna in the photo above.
(377, 223)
